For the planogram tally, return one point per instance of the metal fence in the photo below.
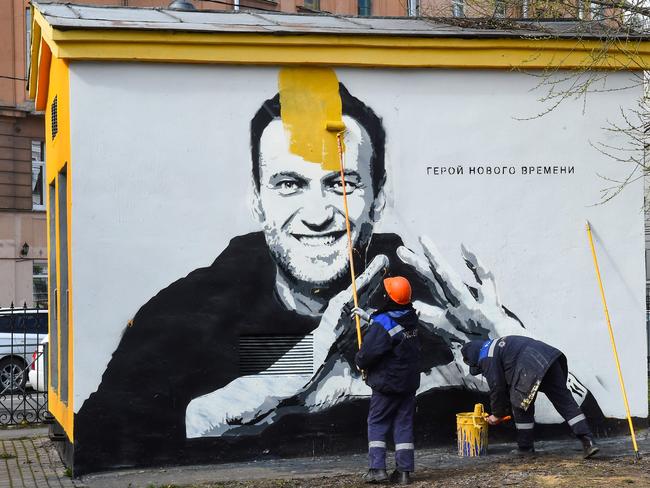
(23, 365)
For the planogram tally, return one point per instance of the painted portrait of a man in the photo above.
(259, 345)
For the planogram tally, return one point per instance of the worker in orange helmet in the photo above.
(390, 355)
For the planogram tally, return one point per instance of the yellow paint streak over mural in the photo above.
(57, 152)
(309, 99)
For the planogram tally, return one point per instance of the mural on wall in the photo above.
(264, 334)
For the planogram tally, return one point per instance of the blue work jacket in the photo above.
(514, 367)
(390, 351)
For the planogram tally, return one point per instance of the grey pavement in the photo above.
(28, 459)
(326, 466)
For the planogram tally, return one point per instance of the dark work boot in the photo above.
(589, 447)
(523, 452)
(375, 476)
(400, 477)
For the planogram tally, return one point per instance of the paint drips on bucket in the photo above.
(472, 432)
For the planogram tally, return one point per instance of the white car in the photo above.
(21, 331)
(38, 366)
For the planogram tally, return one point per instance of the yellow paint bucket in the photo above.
(472, 429)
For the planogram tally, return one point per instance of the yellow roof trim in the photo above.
(325, 50)
(384, 51)
(42, 28)
(44, 62)
(34, 55)
(381, 51)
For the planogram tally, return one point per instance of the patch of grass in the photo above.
(67, 472)
(6, 455)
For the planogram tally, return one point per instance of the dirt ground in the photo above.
(543, 471)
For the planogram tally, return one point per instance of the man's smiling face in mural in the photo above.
(300, 204)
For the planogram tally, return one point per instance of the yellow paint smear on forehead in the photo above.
(309, 99)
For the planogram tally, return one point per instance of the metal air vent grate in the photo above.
(54, 113)
(271, 354)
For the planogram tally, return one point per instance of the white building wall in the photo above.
(161, 179)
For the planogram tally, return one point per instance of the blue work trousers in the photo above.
(554, 386)
(394, 412)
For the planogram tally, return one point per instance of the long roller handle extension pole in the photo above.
(339, 128)
(613, 342)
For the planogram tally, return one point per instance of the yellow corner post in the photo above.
(613, 342)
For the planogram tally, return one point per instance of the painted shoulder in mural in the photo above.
(259, 346)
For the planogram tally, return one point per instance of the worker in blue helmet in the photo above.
(390, 356)
(516, 368)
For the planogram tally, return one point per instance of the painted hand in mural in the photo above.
(335, 324)
(250, 401)
(461, 312)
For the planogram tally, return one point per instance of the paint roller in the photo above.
(501, 419)
(338, 127)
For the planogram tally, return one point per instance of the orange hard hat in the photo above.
(398, 289)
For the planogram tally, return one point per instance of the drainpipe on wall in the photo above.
(524, 9)
(412, 8)
(235, 5)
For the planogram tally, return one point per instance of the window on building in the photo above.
(364, 8)
(39, 280)
(312, 4)
(597, 11)
(38, 175)
(500, 8)
(458, 8)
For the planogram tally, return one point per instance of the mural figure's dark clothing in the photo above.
(396, 413)
(390, 352)
(183, 343)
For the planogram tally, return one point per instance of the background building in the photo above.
(23, 245)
